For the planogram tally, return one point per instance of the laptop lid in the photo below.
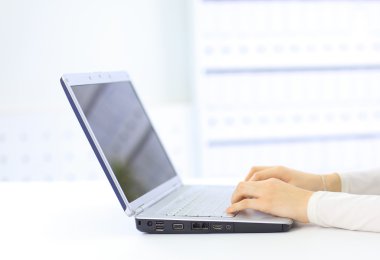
(122, 137)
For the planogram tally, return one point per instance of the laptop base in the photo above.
(156, 226)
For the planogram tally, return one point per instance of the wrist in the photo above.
(333, 182)
(329, 182)
(304, 216)
(316, 183)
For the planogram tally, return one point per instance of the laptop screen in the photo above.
(126, 136)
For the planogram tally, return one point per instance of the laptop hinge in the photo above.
(139, 209)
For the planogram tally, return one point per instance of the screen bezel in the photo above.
(70, 80)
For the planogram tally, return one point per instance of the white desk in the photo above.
(77, 220)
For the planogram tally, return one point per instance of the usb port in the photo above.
(160, 226)
(177, 226)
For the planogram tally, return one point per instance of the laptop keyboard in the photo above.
(201, 202)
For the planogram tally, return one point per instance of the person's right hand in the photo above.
(308, 181)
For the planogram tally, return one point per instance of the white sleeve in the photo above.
(343, 210)
(366, 182)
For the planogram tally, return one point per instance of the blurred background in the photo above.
(228, 84)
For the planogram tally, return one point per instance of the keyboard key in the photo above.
(200, 202)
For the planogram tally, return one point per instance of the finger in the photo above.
(254, 170)
(245, 190)
(273, 172)
(245, 204)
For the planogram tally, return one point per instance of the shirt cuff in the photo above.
(344, 183)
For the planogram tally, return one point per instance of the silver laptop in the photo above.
(139, 170)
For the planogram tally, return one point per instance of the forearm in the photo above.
(333, 183)
(347, 211)
(366, 182)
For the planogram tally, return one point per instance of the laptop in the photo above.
(139, 169)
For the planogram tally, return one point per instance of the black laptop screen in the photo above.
(125, 136)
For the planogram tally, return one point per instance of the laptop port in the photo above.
(177, 226)
(160, 226)
(195, 226)
(199, 226)
(217, 226)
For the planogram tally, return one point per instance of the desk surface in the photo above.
(73, 220)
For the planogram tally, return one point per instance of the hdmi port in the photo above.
(217, 227)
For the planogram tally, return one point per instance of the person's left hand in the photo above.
(271, 196)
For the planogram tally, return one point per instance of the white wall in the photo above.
(40, 139)
(40, 40)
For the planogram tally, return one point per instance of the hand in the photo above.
(300, 179)
(272, 196)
